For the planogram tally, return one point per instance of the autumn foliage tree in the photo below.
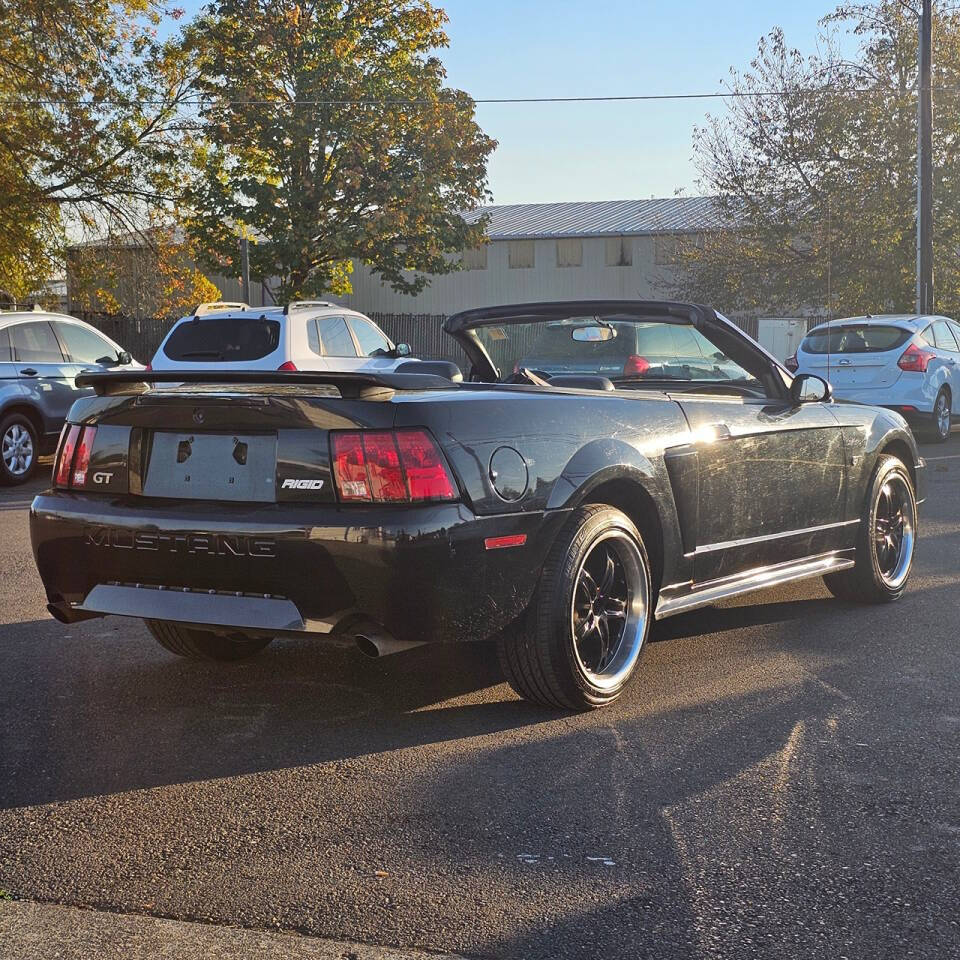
(327, 133)
(147, 273)
(90, 117)
(814, 165)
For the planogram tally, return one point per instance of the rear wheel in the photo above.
(885, 540)
(18, 449)
(581, 638)
(202, 644)
(941, 420)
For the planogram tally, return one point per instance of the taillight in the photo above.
(68, 446)
(73, 459)
(148, 367)
(635, 365)
(915, 359)
(383, 466)
(390, 466)
(287, 365)
(423, 463)
(350, 467)
(81, 462)
(791, 363)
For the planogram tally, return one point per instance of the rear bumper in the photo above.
(916, 393)
(423, 573)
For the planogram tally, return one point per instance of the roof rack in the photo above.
(306, 305)
(218, 306)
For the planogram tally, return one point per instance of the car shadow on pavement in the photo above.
(99, 708)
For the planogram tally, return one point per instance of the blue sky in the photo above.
(603, 151)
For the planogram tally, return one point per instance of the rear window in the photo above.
(223, 339)
(855, 338)
(554, 343)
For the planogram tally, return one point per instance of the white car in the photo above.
(303, 335)
(908, 363)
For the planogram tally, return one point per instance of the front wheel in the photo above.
(581, 638)
(885, 540)
(202, 644)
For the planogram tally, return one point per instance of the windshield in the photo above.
(624, 349)
(855, 338)
(223, 339)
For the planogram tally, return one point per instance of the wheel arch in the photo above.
(628, 494)
(29, 411)
(899, 448)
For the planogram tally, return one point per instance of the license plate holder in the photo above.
(194, 465)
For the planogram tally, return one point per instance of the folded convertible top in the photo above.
(366, 386)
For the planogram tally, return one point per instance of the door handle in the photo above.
(29, 372)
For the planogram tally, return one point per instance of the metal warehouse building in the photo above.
(553, 251)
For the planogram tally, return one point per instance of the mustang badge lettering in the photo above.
(211, 544)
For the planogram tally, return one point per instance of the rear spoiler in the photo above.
(363, 386)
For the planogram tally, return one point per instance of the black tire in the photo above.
(867, 581)
(202, 644)
(540, 656)
(18, 441)
(941, 420)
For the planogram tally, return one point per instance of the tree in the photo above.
(328, 134)
(818, 181)
(90, 111)
(148, 273)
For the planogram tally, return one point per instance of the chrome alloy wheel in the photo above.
(609, 609)
(941, 414)
(16, 449)
(893, 531)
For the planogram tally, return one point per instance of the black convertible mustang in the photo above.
(657, 460)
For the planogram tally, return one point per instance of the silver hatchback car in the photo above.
(40, 357)
(908, 363)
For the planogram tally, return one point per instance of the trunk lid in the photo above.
(257, 438)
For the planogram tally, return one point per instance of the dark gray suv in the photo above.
(40, 357)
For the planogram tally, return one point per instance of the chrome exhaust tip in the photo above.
(374, 642)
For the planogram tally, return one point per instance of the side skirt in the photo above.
(680, 597)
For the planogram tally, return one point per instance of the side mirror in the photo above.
(402, 350)
(808, 388)
(123, 358)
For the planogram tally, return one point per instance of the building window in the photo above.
(570, 252)
(521, 254)
(475, 259)
(619, 252)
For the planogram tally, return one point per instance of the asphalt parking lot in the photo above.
(782, 780)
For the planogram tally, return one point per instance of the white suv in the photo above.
(303, 335)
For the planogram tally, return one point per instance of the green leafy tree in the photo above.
(328, 134)
(818, 181)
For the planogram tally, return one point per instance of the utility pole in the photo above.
(245, 267)
(925, 166)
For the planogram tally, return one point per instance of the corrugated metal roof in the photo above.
(599, 218)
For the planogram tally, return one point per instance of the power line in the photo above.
(199, 100)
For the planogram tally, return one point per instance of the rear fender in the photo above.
(601, 463)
